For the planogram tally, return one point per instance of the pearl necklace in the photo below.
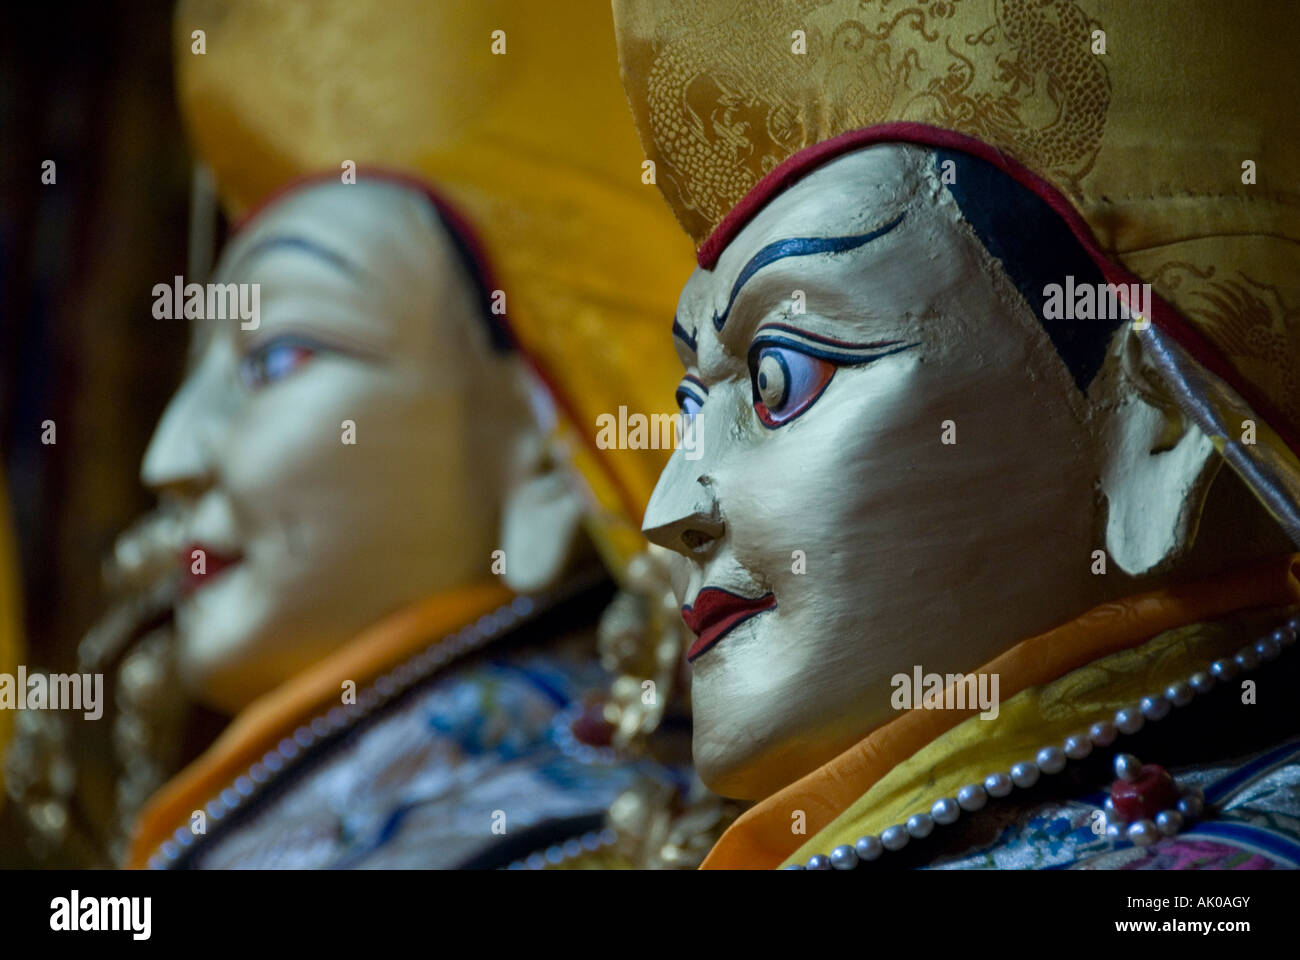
(571, 849)
(1052, 759)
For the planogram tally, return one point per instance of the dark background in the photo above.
(89, 86)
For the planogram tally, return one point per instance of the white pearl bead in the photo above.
(920, 825)
(1223, 669)
(997, 784)
(1127, 766)
(1077, 747)
(945, 811)
(1024, 775)
(1180, 694)
(1155, 708)
(1202, 682)
(844, 857)
(1246, 659)
(1103, 734)
(894, 838)
(1143, 833)
(972, 797)
(1169, 822)
(1129, 721)
(1050, 760)
(1190, 806)
(869, 848)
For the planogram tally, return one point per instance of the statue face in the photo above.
(828, 537)
(339, 461)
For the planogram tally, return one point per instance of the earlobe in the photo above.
(1157, 468)
(541, 522)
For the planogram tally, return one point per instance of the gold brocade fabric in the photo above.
(1147, 140)
(512, 112)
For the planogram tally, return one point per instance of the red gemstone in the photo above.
(592, 728)
(1143, 798)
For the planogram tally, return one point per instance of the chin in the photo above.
(726, 780)
(741, 760)
(740, 774)
(214, 665)
(751, 754)
(720, 773)
(745, 745)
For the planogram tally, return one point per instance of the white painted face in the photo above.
(367, 316)
(829, 537)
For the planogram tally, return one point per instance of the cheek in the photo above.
(333, 446)
(806, 498)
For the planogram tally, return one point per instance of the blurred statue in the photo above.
(971, 337)
(397, 529)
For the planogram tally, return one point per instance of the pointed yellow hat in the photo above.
(510, 112)
(1165, 134)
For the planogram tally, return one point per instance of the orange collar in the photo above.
(275, 715)
(761, 837)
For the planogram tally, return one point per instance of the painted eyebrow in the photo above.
(693, 387)
(294, 242)
(797, 247)
(687, 338)
(695, 382)
(826, 348)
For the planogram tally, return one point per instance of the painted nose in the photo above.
(179, 458)
(683, 514)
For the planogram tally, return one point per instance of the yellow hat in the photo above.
(512, 113)
(1165, 134)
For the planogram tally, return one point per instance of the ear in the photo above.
(1157, 467)
(542, 519)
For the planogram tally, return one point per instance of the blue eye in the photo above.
(786, 382)
(690, 396)
(274, 361)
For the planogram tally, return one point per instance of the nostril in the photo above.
(696, 540)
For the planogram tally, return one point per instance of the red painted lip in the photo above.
(215, 564)
(716, 613)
